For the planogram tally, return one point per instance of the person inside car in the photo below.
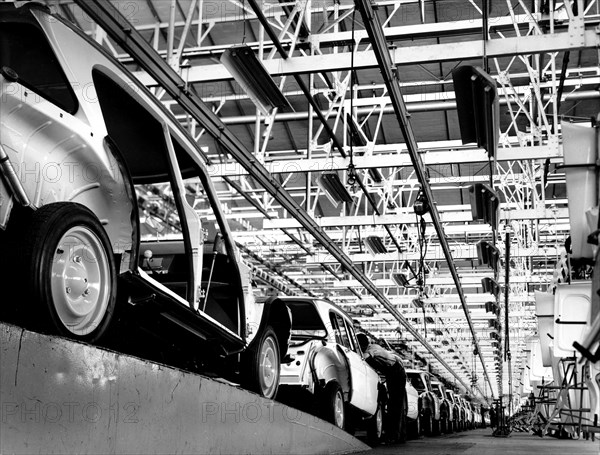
(390, 366)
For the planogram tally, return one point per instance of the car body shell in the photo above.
(324, 356)
(446, 406)
(428, 400)
(459, 413)
(468, 412)
(412, 398)
(69, 154)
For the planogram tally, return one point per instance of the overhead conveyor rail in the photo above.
(124, 34)
(378, 41)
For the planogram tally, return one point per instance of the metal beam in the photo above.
(111, 20)
(409, 55)
(398, 159)
(409, 218)
(434, 253)
(389, 73)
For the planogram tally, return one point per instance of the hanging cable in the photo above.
(351, 168)
(244, 21)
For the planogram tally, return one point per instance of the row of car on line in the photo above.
(126, 241)
(327, 375)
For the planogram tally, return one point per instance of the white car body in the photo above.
(93, 136)
(412, 397)
(324, 352)
(421, 381)
(440, 390)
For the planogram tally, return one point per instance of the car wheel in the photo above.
(263, 365)
(333, 407)
(69, 268)
(444, 425)
(375, 426)
(427, 423)
(436, 425)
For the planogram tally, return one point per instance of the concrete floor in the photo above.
(481, 442)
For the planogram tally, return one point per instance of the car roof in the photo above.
(412, 370)
(317, 301)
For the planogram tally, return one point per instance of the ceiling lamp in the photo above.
(488, 254)
(492, 307)
(490, 285)
(250, 73)
(485, 204)
(478, 107)
(375, 244)
(401, 280)
(331, 184)
(418, 303)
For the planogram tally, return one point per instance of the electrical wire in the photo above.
(351, 168)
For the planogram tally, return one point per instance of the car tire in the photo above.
(436, 426)
(67, 263)
(333, 407)
(375, 426)
(427, 423)
(444, 425)
(262, 365)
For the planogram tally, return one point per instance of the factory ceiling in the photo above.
(347, 230)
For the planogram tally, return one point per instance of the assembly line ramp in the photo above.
(61, 396)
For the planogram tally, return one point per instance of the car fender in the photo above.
(327, 365)
(273, 312)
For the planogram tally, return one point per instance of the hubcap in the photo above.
(269, 367)
(338, 409)
(80, 280)
(379, 422)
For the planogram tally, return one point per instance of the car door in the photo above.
(357, 396)
(371, 383)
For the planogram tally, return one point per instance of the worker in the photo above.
(390, 366)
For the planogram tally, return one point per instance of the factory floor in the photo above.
(481, 442)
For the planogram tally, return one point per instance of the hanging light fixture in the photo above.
(249, 72)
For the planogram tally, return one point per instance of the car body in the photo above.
(468, 412)
(109, 211)
(429, 403)
(459, 413)
(477, 413)
(328, 362)
(412, 399)
(446, 407)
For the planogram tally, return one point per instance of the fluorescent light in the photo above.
(485, 204)
(331, 184)
(478, 107)
(400, 279)
(488, 254)
(375, 245)
(250, 73)
(490, 285)
(417, 303)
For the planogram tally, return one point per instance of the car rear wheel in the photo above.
(263, 365)
(375, 426)
(415, 428)
(67, 263)
(427, 423)
(333, 407)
